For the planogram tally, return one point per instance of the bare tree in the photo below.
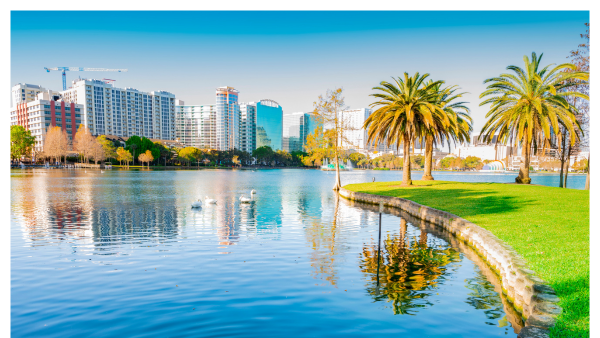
(83, 142)
(56, 143)
(328, 113)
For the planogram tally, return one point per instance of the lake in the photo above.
(122, 253)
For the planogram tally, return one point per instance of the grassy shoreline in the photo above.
(548, 226)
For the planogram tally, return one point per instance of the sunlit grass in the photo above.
(548, 226)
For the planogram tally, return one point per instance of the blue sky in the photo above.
(290, 57)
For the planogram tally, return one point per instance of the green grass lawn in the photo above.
(548, 226)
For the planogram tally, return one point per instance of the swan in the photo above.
(102, 171)
(197, 204)
(253, 192)
(245, 199)
(210, 200)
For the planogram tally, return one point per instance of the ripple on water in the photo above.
(123, 254)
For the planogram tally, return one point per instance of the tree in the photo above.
(454, 124)
(471, 162)
(56, 143)
(21, 142)
(263, 154)
(188, 154)
(146, 158)
(406, 111)
(525, 107)
(581, 59)
(328, 113)
(83, 142)
(319, 146)
(108, 146)
(97, 152)
(236, 160)
(123, 155)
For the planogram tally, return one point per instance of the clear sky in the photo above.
(289, 57)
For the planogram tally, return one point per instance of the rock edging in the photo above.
(531, 296)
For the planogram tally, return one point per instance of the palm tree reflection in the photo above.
(406, 269)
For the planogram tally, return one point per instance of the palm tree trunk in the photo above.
(406, 180)
(568, 162)
(428, 158)
(562, 163)
(523, 177)
(587, 176)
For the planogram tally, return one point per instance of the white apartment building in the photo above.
(247, 138)
(123, 112)
(195, 125)
(44, 111)
(24, 92)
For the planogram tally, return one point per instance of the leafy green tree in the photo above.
(471, 162)
(188, 154)
(263, 154)
(21, 142)
(406, 111)
(527, 105)
(108, 146)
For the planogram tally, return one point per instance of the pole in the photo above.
(379, 244)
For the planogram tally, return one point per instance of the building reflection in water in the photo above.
(405, 269)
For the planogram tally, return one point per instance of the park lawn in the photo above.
(548, 226)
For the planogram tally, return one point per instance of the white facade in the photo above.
(44, 111)
(124, 112)
(195, 125)
(247, 138)
(24, 92)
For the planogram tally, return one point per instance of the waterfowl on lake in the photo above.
(210, 200)
(197, 204)
(245, 199)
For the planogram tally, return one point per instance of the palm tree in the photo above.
(406, 110)
(456, 124)
(528, 105)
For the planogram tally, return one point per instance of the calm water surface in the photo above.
(123, 254)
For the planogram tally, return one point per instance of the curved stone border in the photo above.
(531, 296)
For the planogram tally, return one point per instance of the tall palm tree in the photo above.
(455, 125)
(527, 105)
(406, 110)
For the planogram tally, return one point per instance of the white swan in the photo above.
(210, 200)
(253, 192)
(197, 204)
(102, 171)
(245, 199)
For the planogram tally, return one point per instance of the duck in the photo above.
(245, 199)
(197, 204)
(252, 192)
(210, 200)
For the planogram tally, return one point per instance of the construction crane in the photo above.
(80, 69)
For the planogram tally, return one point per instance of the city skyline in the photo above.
(278, 56)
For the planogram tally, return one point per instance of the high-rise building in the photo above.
(296, 127)
(47, 109)
(195, 125)
(123, 112)
(269, 124)
(227, 118)
(247, 127)
(23, 93)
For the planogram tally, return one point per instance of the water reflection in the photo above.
(165, 257)
(405, 269)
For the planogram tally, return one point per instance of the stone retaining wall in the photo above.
(531, 296)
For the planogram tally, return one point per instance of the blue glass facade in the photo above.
(296, 127)
(269, 124)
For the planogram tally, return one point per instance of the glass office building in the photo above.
(227, 118)
(296, 127)
(269, 124)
